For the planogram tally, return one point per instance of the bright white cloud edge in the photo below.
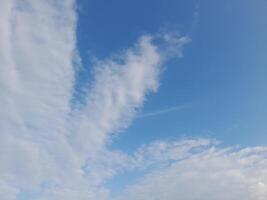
(49, 151)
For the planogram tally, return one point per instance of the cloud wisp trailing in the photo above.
(160, 112)
(50, 150)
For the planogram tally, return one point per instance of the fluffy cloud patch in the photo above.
(202, 171)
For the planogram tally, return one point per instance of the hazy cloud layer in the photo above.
(202, 172)
(49, 150)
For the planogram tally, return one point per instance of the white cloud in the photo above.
(119, 89)
(37, 43)
(201, 171)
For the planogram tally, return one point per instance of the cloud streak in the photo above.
(163, 111)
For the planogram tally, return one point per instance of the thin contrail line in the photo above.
(163, 111)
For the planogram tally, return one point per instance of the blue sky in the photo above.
(220, 79)
(136, 100)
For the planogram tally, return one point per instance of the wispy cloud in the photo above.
(163, 111)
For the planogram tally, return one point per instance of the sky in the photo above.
(133, 100)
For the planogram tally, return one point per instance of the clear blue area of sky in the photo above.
(221, 79)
